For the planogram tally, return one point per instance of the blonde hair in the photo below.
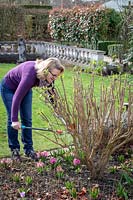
(44, 66)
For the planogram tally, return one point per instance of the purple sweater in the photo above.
(21, 79)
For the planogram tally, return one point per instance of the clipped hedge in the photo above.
(103, 45)
(17, 21)
(115, 50)
(11, 22)
(37, 6)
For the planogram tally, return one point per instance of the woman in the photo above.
(16, 92)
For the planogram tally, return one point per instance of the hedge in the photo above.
(103, 45)
(115, 50)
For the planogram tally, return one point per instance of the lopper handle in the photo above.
(42, 129)
(23, 126)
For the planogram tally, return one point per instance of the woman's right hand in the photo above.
(16, 125)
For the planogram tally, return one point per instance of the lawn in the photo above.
(41, 143)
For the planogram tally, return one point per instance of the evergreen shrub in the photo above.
(103, 45)
(115, 49)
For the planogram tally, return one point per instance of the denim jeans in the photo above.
(25, 115)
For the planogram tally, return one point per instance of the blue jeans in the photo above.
(25, 115)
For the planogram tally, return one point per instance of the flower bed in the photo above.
(60, 175)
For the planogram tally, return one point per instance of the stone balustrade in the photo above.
(71, 54)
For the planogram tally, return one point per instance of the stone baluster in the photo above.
(82, 56)
(79, 56)
(51, 50)
(57, 50)
(75, 54)
(42, 48)
(62, 52)
(12, 48)
(5, 48)
(46, 49)
(54, 50)
(88, 57)
(65, 52)
(68, 53)
(38, 49)
(71, 53)
(32, 48)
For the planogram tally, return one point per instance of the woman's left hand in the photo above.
(16, 125)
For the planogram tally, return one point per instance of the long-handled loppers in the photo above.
(42, 129)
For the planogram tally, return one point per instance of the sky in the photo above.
(117, 4)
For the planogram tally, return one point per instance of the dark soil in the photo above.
(46, 186)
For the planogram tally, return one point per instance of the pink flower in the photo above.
(44, 153)
(59, 169)
(53, 160)
(38, 154)
(2, 161)
(76, 161)
(6, 161)
(39, 164)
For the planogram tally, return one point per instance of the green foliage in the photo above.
(126, 177)
(113, 169)
(121, 158)
(103, 45)
(16, 178)
(115, 49)
(37, 6)
(39, 26)
(129, 55)
(121, 191)
(28, 180)
(60, 175)
(73, 192)
(113, 19)
(69, 159)
(69, 185)
(13, 18)
(94, 192)
(31, 24)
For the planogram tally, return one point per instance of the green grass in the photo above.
(40, 143)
